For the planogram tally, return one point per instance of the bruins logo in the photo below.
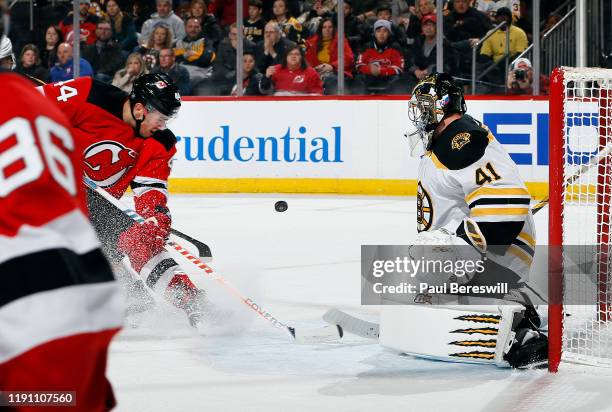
(424, 209)
(460, 140)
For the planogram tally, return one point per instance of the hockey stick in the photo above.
(203, 249)
(317, 335)
(352, 324)
(585, 167)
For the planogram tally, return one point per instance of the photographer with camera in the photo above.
(520, 78)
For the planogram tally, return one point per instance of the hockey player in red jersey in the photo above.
(125, 143)
(59, 303)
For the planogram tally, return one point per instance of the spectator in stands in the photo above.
(251, 76)
(124, 32)
(423, 55)
(105, 55)
(225, 11)
(314, 12)
(254, 24)
(195, 53)
(272, 48)
(490, 7)
(224, 66)
(411, 24)
(322, 55)
(465, 22)
(289, 24)
(195, 9)
(381, 64)
(399, 10)
(134, 67)
(295, 8)
(293, 76)
(161, 39)
(398, 35)
(352, 26)
(365, 9)
(53, 38)
(88, 22)
(178, 74)
(210, 28)
(29, 65)
(62, 70)
(520, 78)
(495, 46)
(551, 21)
(140, 13)
(463, 27)
(166, 16)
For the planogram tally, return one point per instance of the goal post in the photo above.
(580, 179)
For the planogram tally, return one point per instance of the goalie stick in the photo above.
(316, 335)
(571, 179)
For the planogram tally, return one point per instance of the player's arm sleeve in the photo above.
(150, 185)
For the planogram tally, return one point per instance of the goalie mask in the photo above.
(433, 98)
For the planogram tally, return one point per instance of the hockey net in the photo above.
(580, 290)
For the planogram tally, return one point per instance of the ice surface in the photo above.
(298, 264)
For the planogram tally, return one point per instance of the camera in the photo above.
(520, 74)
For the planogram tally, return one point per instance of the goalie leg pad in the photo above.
(449, 333)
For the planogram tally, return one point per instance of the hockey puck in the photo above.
(281, 206)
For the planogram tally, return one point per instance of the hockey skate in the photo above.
(183, 294)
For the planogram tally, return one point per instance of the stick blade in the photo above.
(328, 333)
(352, 324)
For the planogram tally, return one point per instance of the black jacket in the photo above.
(106, 61)
(418, 60)
(472, 24)
(34, 73)
(224, 66)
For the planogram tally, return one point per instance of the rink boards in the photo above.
(333, 145)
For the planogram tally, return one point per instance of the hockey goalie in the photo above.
(470, 197)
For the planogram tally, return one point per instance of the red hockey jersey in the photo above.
(59, 303)
(114, 156)
(305, 81)
(389, 60)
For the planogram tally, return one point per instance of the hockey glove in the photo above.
(141, 242)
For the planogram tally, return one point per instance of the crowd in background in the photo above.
(290, 46)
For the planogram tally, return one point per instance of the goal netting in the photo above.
(580, 310)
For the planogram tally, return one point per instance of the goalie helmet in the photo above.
(156, 91)
(433, 98)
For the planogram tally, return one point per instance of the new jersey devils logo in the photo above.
(106, 162)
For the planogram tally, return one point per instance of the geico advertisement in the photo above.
(339, 138)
